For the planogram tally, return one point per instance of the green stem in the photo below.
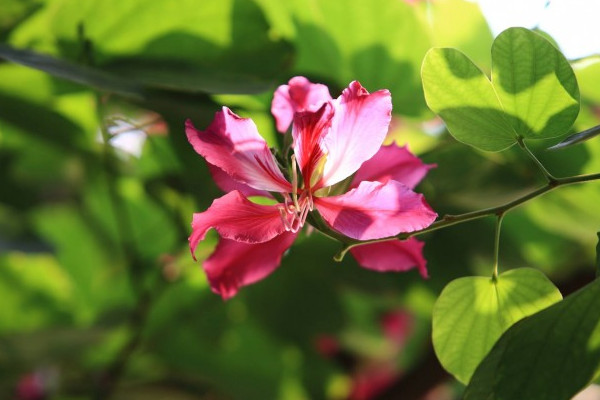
(449, 220)
(497, 246)
(549, 177)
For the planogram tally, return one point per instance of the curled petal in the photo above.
(392, 255)
(234, 145)
(393, 162)
(376, 210)
(237, 218)
(308, 130)
(235, 264)
(227, 184)
(298, 95)
(358, 128)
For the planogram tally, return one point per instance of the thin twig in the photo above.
(449, 220)
(549, 177)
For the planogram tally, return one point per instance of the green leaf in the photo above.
(73, 72)
(535, 84)
(464, 97)
(193, 47)
(533, 92)
(472, 312)
(472, 36)
(87, 260)
(342, 41)
(550, 356)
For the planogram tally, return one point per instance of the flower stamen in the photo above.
(295, 182)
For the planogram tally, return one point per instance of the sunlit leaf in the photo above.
(535, 84)
(472, 312)
(533, 92)
(464, 97)
(550, 356)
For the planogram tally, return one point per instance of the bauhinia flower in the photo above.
(338, 168)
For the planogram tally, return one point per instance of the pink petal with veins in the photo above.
(392, 162)
(227, 184)
(358, 128)
(392, 256)
(235, 264)
(237, 218)
(298, 95)
(308, 131)
(376, 210)
(234, 145)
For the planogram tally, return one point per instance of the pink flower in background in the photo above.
(332, 140)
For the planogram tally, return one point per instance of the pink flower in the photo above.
(332, 141)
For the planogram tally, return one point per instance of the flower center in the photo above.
(296, 207)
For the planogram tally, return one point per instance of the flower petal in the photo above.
(235, 264)
(393, 255)
(393, 162)
(234, 145)
(298, 95)
(358, 128)
(376, 210)
(235, 217)
(308, 130)
(227, 184)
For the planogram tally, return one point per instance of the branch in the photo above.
(449, 220)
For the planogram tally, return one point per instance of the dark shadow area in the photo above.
(502, 137)
(460, 65)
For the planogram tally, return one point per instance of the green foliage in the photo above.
(533, 92)
(463, 96)
(472, 312)
(188, 48)
(552, 355)
(342, 41)
(95, 272)
(535, 84)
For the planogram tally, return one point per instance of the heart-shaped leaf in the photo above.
(535, 84)
(464, 97)
(533, 92)
(550, 356)
(472, 312)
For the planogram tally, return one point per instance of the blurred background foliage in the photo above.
(99, 295)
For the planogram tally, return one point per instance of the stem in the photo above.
(549, 177)
(316, 220)
(449, 220)
(497, 246)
